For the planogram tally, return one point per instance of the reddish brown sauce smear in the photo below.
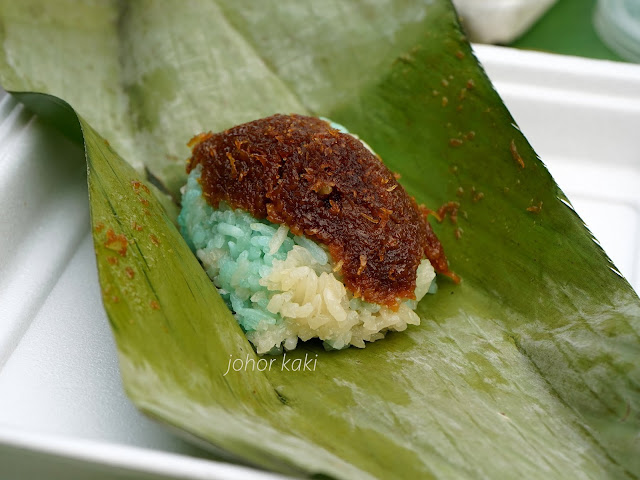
(300, 172)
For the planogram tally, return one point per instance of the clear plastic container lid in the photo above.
(618, 24)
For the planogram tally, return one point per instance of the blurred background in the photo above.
(603, 29)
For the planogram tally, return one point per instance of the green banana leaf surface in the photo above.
(530, 368)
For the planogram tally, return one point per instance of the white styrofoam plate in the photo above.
(63, 412)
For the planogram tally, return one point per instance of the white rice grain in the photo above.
(278, 239)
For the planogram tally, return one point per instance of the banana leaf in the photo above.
(530, 368)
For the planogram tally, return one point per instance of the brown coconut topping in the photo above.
(324, 184)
